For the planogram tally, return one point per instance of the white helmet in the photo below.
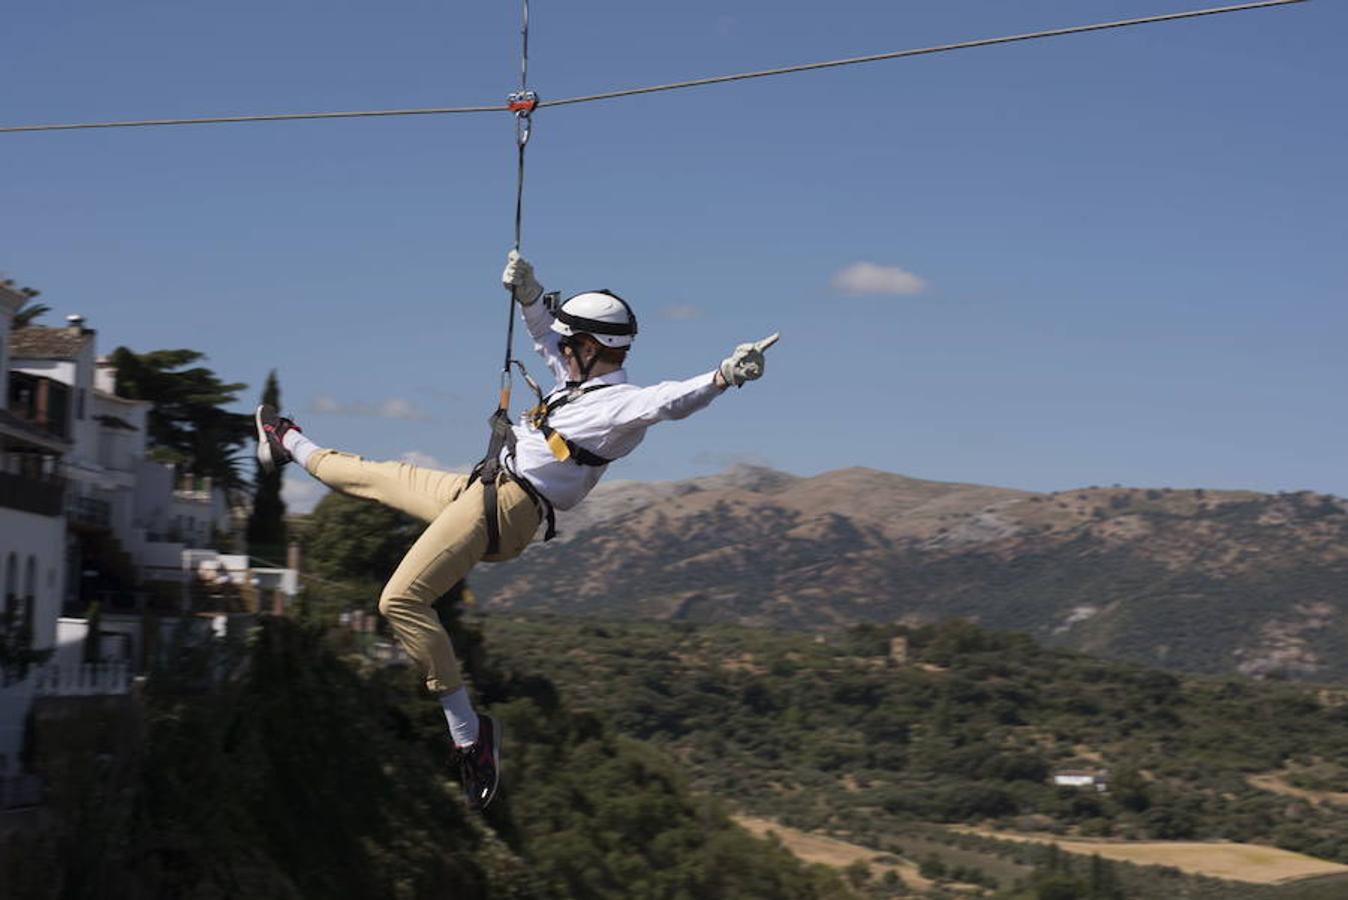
(602, 315)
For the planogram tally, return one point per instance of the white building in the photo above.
(32, 529)
(86, 516)
(129, 520)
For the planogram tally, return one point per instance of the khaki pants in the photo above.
(452, 543)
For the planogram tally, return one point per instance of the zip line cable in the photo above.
(678, 85)
(276, 117)
(923, 51)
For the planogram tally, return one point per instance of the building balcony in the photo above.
(44, 496)
(42, 402)
(90, 512)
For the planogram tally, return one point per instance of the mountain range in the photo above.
(1195, 580)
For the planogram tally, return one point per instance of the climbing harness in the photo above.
(562, 447)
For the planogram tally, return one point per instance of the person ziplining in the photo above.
(550, 460)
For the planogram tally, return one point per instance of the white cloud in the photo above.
(427, 461)
(873, 278)
(417, 458)
(681, 313)
(392, 408)
(301, 493)
(398, 408)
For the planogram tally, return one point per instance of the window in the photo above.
(30, 594)
(11, 585)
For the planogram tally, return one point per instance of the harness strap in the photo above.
(544, 504)
(489, 470)
(562, 447)
(493, 508)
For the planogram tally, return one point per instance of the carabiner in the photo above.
(522, 104)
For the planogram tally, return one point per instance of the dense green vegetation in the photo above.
(862, 736)
(294, 767)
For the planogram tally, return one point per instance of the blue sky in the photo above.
(1110, 258)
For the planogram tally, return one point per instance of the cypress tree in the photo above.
(266, 524)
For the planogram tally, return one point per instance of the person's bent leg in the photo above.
(415, 490)
(441, 556)
(450, 546)
(444, 553)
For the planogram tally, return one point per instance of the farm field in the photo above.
(1251, 863)
(828, 851)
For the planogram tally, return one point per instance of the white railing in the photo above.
(84, 680)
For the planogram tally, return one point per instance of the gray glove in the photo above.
(746, 363)
(518, 278)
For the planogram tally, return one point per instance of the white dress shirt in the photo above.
(609, 422)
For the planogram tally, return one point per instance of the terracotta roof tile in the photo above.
(42, 342)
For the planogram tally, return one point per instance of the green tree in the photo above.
(1130, 790)
(266, 523)
(1058, 887)
(1104, 883)
(30, 311)
(858, 873)
(356, 540)
(932, 867)
(189, 426)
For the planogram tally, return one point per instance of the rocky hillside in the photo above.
(1189, 579)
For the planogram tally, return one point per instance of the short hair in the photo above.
(614, 355)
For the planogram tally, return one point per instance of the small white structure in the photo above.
(266, 590)
(1098, 779)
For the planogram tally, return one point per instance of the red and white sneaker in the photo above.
(271, 427)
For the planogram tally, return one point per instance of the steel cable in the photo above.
(922, 51)
(673, 86)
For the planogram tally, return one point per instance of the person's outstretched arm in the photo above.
(669, 400)
(518, 278)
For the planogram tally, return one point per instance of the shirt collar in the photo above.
(617, 376)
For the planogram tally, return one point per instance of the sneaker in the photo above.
(480, 764)
(271, 427)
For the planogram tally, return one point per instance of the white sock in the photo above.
(298, 446)
(462, 719)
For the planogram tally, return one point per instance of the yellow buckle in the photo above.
(557, 444)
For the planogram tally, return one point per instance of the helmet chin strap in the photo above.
(583, 364)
